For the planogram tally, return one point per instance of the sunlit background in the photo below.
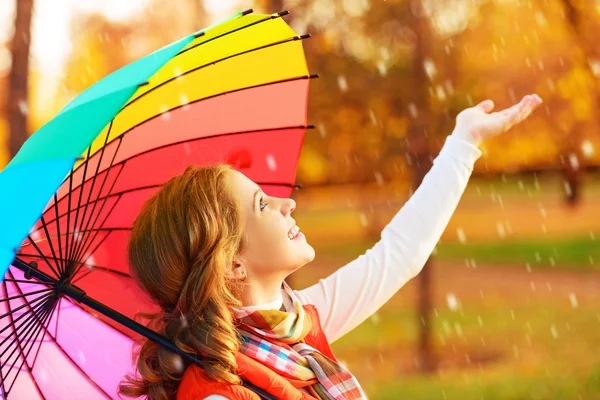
(510, 308)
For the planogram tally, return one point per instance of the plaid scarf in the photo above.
(275, 338)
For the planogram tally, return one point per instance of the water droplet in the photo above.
(588, 148)
(430, 68)
(342, 83)
(573, 300)
(177, 363)
(382, 68)
(82, 358)
(452, 301)
(23, 107)
(363, 219)
(501, 230)
(412, 109)
(458, 329)
(164, 112)
(574, 161)
(375, 319)
(271, 163)
(462, 238)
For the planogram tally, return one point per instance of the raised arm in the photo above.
(354, 292)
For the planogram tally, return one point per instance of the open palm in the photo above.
(479, 123)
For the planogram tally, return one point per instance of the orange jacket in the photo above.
(196, 384)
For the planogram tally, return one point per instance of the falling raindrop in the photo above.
(375, 319)
(412, 109)
(82, 358)
(528, 267)
(512, 314)
(187, 148)
(452, 301)
(554, 331)
(23, 107)
(382, 68)
(515, 351)
(501, 230)
(363, 219)
(177, 363)
(164, 112)
(379, 178)
(588, 148)
(573, 300)
(532, 285)
(574, 161)
(462, 238)
(458, 329)
(430, 68)
(322, 130)
(342, 83)
(271, 163)
(184, 101)
(548, 286)
(440, 93)
(592, 236)
(538, 257)
(183, 319)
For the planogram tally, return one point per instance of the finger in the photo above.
(512, 109)
(523, 111)
(486, 106)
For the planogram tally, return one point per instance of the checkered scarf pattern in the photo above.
(275, 338)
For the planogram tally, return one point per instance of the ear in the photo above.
(237, 270)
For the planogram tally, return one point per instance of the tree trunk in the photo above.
(572, 166)
(421, 161)
(18, 77)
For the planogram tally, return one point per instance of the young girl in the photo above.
(213, 251)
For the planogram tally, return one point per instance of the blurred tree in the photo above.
(420, 155)
(18, 77)
(573, 170)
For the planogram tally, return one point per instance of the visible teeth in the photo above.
(293, 232)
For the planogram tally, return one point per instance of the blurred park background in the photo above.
(508, 306)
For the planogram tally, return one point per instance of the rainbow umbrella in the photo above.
(235, 92)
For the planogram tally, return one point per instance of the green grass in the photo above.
(567, 253)
(565, 366)
(572, 253)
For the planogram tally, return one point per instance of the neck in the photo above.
(256, 293)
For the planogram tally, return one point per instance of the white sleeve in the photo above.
(216, 397)
(354, 292)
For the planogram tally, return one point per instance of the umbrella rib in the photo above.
(29, 303)
(85, 237)
(55, 341)
(294, 38)
(12, 323)
(45, 314)
(270, 17)
(95, 175)
(156, 186)
(216, 135)
(29, 325)
(83, 261)
(59, 265)
(80, 192)
(43, 256)
(89, 242)
(49, 241)
(312, 76)
(45, 303)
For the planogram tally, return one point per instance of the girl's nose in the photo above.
(289, 205)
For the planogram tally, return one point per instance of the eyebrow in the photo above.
(254, 198)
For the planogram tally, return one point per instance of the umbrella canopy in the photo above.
(235, 92)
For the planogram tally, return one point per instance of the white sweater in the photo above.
(354, 292)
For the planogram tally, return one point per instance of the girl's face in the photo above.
(268, 252)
